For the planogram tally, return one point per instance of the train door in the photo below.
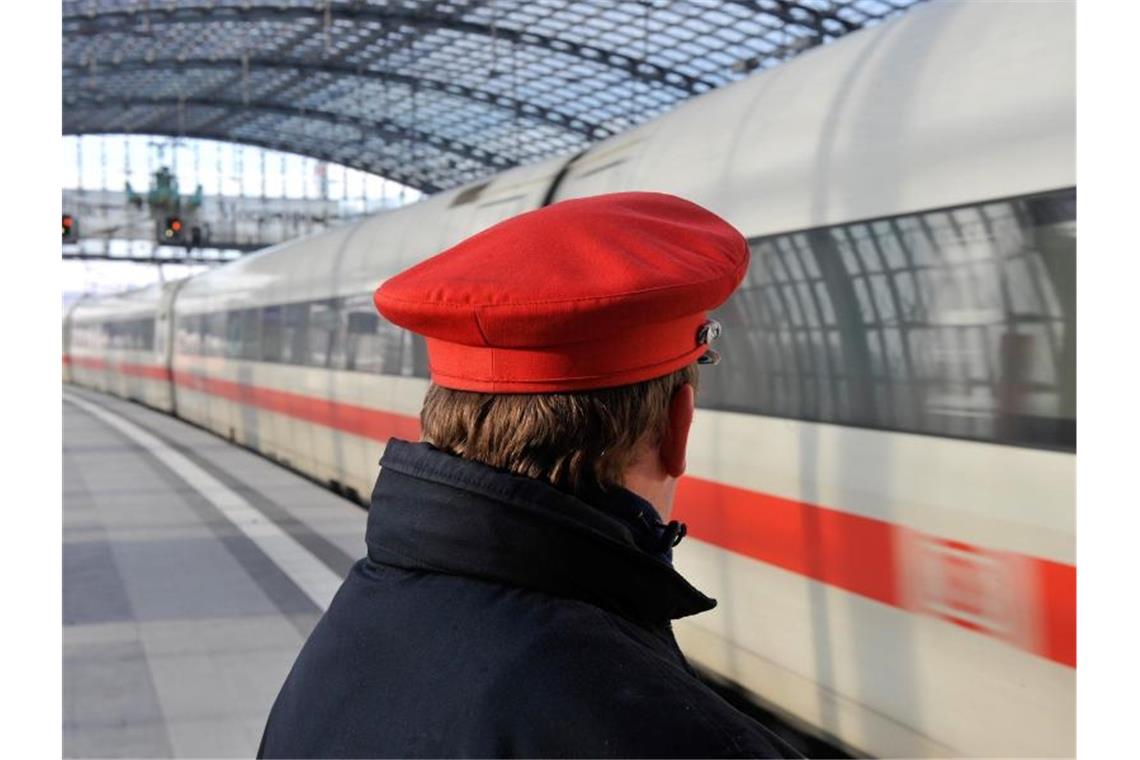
(68, 325)
(324, 366)
(294, 376)
(214, 368)
(360, 386)
(494, 211)
(162, 354)
(272, 373)
(604, 169)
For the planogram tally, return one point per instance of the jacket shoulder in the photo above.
(592, 684)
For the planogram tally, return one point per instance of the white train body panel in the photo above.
(950, 635)
(906, 116)
(117, 345)
(875, 675)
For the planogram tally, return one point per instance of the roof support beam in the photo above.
(392, 172)
(521, 107)
(138, 21)
(385, 128)
(793, 13)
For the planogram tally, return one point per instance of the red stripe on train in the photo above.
(358, 420)
(855, 553)
(838, 548)
(1056, 603)
(863, 555)
(150, 371)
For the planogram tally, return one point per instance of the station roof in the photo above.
(430, 93)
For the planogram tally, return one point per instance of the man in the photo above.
(518, 590)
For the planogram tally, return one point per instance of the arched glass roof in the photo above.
(431, 93)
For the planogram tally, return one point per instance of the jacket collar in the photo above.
(432, 511)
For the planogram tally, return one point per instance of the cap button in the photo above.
(708, 332)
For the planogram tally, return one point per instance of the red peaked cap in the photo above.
(586, 293)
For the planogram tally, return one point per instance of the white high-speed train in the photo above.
(881, 477)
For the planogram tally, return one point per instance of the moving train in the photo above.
(881, 474)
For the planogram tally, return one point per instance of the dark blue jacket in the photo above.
(497, 616)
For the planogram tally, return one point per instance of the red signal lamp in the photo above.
(70, 229)
(173, 228)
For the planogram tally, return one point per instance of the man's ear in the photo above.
(676, 439)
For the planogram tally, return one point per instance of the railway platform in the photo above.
(193, 572)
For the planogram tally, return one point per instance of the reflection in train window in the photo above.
(295, 336)
(322, 332)
(250, 334)
(186, 334)
(203, 324)
(216, 334)
(272, 333)
(362, 339)
(128, 334)
(958, 322)
(419, 357)
(233, 335)
(146, 338)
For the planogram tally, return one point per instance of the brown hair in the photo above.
(575, 441)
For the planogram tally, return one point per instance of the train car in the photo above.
(883, 465)
(283, 351)
(121, 344)
(68, 374)
(881, 471)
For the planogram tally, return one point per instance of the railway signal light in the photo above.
(172, 232)
(70, 229)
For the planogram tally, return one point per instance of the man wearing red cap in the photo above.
(518, 590)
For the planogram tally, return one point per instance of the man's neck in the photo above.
(656, 489)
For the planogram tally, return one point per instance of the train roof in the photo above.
(136, 302)
(951, 103)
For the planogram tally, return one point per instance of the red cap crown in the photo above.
(586, 293)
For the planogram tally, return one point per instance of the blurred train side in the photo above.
(121, 344)
(881, 474)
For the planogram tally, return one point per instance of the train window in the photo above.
(338, 339)
(204, 334)
(362, 323)
(232, 343)
(337, 333)
(295, 335)
(419, 357)
(92, 337)
(147, 329)
(414, 358)
(185, 334)
(250, 334)
(391, 348)
(958, 322)
(123, 335)
(216, 334)
(322, 332)
(272, 332)
(200, 324)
